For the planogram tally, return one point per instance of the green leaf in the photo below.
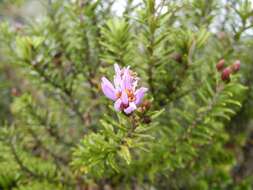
(37, 41)
(23, 48)
(156, 114)
(125, 154)
(112, 162)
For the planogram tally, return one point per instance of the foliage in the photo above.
(62, 133)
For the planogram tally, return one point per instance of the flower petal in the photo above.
(126, 80)
(108, 89)
(117, 69)
(117, 105)
(117, 82)
(130, 108)
(124, 97)
(139, 94)
(117, 77)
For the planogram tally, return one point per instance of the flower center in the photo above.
(118, 94)
(131, 96)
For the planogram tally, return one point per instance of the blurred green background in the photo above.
(21, 13)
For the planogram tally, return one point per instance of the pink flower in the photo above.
(225, 75)
(124, 90)
(220, 65)
(236, 66)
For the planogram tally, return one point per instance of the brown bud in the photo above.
(145, 105)
(146, 119)
(18, 26)
(220, 65)
(221, 35)
(57, 60)
(236, 66)
(15, 92)
(225, 75)
(177, 57)
(87, 119)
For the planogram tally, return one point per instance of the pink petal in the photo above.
(126, 81)
(117, 82)
(130, 108)
(117, 69)
(117, 77)
(108, 89)
(139, 94)
(124, 97)
(117, 105)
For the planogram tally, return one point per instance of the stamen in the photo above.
(118, 94)
(130, 95)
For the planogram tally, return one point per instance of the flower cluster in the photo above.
(226, 72)
(124, 90)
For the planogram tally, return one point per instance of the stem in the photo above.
(59, 160)
(150, 49)
(50, 128)
(198, 120)
(29, 171)
(66, 95)
(134, 124)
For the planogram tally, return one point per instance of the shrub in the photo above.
(186, 133)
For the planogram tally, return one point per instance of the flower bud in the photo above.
(225, 75)
(145, 106)
(146, 119)
(57, 59)
(18, 26)
(15, 92)
(221, 35)
(236, 66)
(177, 57)
(220, 65)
